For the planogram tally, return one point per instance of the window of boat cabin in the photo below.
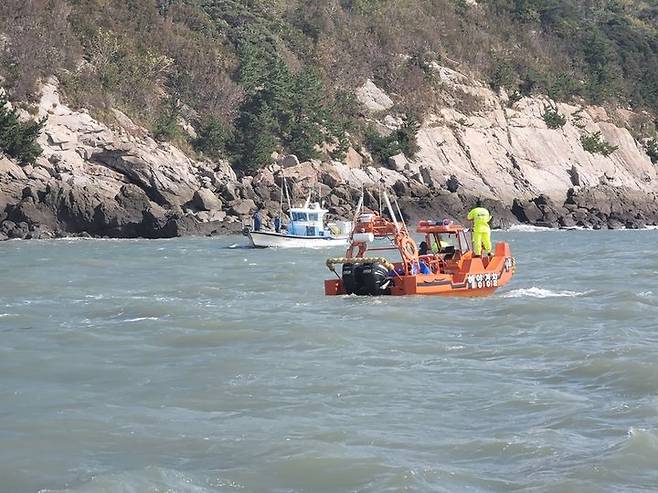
(313, 217)
(299, 216)
(443, 239)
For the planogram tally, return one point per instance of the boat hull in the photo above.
(270, 239)
(472, 279)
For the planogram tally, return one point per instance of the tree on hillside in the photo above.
(255, 139)
(19, 139)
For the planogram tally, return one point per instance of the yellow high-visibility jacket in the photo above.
(480, 217)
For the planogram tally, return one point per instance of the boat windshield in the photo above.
(445, 243)
(298, 216)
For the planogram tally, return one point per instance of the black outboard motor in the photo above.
(366, 279)
(349, 283)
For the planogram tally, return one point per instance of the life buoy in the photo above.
(409, 249)
(358, 249)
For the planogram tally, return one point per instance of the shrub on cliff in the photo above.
(553, 118)
(595, 144)
(165, 126)
(19, 139)
(502, 74)
(403, 140)
(651, 147)
(212, 138)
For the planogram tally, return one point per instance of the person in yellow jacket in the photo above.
(481, 235)
(438, 247)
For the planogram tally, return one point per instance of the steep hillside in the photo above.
(253, 76)
(178, 117)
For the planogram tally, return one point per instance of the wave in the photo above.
(527, 228)
(636, 454)
(139, 319)
(641, 440)
(149, 479)
(535, 292)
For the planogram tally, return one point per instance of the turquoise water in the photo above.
(189, 366)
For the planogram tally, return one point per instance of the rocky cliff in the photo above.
(115, 180)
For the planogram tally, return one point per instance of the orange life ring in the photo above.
(409, 249)
(358, 249)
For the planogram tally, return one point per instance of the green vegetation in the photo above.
(257, 76)
(165, 125)
(651, 147)
(553, 118)
(402, 140)
(595, 144)
(601, 50)
(503, 74)
(212, 138)
(19, 139)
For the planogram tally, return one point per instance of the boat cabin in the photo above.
(444, 238)
(307, 221)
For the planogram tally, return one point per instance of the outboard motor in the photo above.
(369, 279)
(349, 283)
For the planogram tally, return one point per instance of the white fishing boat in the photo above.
(306, 228)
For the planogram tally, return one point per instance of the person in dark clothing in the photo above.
(277, 223)
(422, 248)
(257, 221)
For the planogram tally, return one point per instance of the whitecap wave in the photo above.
(139, 319)
(642, 437)
(528, 228)
(535, 292)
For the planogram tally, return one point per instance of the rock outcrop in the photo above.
(114, 180)
(109, 181)
(373, 98)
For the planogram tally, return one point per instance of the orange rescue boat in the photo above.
(451, 269)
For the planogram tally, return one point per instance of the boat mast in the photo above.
(285, 186)
(390, 211)
(379, 189)
(397, 205)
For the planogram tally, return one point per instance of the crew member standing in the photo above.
(257, 221)
(481, 231)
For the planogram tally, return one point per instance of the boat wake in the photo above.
(535, 292)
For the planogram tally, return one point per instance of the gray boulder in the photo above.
(242, 207)
(206, 200)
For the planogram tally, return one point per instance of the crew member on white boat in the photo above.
(257, 220)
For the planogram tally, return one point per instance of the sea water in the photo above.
(197, 365)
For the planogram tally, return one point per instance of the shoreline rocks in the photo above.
(113, 180)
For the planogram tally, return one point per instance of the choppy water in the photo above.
(188, 366)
